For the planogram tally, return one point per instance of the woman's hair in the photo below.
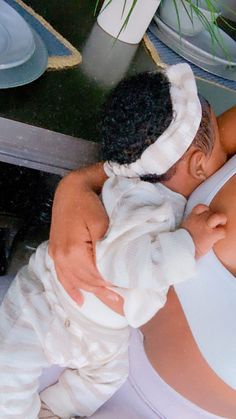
(136, 113)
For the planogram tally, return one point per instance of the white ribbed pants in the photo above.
(36, 332)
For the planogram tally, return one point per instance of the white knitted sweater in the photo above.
(143, 251)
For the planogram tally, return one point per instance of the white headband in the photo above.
(176, 139)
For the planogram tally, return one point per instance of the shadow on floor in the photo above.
(25, 213)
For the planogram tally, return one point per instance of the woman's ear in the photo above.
(197, 165)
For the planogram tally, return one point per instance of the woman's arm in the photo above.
(78, 221)
(227, 128)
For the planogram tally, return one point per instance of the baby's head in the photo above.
(137, 114)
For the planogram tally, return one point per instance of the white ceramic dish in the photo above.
(201, 44)
(206, 64)
(28, 71)
(190, 23)
(16, 38)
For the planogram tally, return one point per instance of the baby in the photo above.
(154, 161)
(174, 143)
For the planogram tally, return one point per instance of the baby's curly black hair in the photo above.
(136, 113)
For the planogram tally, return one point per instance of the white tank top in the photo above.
(209, 299)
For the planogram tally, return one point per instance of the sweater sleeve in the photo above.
(172, 260)
(178, 255)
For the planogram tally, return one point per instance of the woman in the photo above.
(177, 375)
(190, 343)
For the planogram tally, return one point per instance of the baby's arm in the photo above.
(173, 260)
(195, 237)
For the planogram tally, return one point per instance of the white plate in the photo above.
(227, 72)
(202, 44)
(28, 71)
(4, 39)
(16, 38)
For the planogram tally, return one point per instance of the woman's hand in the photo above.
(78, 221)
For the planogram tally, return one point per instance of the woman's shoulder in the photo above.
(206, 192)
(225, 201)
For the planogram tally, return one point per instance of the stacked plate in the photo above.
(23, 55)
(200, 49)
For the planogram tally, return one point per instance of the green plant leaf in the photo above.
(128, 15)
(210, 26)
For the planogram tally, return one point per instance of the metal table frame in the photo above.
(38, 148)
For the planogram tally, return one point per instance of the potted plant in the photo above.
(189, 18)
(127, 20)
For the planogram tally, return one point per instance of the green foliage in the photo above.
(209, 25)
(191, 10)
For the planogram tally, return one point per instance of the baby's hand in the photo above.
(205, 227)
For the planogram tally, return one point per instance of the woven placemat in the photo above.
(61, 54)
(163, 55)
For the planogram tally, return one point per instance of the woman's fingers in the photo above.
(78, 258)
(74, 286)
(87, 279)
(70, 286)
(78, 271)
(114, 301)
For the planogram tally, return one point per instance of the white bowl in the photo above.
(17, 41)
(190, 23)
